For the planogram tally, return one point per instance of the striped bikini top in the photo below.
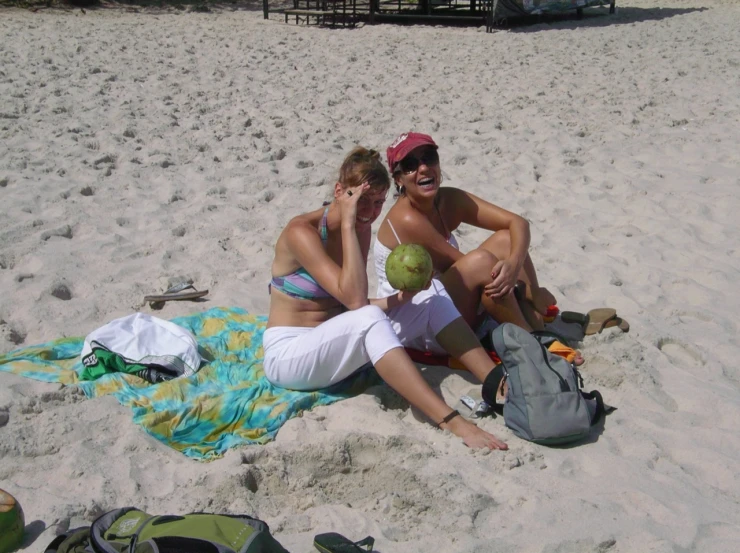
(299, 284)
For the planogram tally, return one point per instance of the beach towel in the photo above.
(228, 403)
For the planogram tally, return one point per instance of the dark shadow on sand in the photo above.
(32, 532)
(592, 17)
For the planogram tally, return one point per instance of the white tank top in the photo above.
(381, 253)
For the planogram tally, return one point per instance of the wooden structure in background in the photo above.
(347, 13)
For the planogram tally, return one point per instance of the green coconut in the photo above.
(409, 267)
(12, 523)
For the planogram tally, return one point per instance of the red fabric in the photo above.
(404, 144)
(426, 358)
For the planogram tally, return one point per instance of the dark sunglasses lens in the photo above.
(410, 164)
(430, 157)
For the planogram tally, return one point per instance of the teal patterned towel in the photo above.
(229, 402)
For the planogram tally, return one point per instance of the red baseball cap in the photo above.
(404, 144)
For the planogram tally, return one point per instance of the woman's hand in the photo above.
(405, 296)
(472, 436)
(504, 277)
(348, 203)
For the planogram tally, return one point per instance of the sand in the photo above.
(139, 148)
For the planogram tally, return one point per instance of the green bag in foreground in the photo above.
(135, 531)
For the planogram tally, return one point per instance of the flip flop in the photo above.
(176, 294)
(619, 322)
(471, 405)
(331, 542)
(592, 322)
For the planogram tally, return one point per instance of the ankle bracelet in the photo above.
(448, 418)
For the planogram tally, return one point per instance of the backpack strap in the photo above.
(595, 395)
(332, 542)
(76, 539)
(492, 383)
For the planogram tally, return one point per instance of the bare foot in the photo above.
(472, 436)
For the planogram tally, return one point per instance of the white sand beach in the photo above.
(139, 147)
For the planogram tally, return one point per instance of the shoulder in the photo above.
(455, 206)
(456, 201)
(301, 228)
(299, 224)
(409, 216)
(449, 195)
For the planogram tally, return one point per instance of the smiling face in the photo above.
(369, 207)
(419, 174)
(364, 166)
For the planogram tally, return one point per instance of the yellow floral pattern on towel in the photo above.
(228, 403)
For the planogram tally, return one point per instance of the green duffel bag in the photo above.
(135, 531)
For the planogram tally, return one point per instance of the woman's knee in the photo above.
(443, 311)
(370, 315)
(478, 261)
(371, 312)
(499, 244)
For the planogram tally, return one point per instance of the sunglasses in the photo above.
(410, 164)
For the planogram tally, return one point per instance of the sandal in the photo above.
(619, 322)
(592, 322)
(331, 542)
(175, 293)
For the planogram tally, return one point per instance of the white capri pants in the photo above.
(301, 358)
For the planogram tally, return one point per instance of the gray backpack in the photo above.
(544, 403)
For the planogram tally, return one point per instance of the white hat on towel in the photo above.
(146, 340)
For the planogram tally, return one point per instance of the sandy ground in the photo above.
(138, 148)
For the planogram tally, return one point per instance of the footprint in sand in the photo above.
(15, 335)
(680, 354)
(701, 318)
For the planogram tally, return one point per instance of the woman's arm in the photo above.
(347, 283)
(470, 209)
(465, 207)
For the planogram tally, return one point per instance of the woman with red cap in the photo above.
(323, 328)
(426, 214)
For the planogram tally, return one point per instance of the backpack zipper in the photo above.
(563, 384)
(504, 379)
(579, 378)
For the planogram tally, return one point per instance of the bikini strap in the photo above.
(394, 232)
(323, 231)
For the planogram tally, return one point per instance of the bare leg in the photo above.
(459, 340)
(464, 282)
(400, 373)
(528, 309)
(500, 245)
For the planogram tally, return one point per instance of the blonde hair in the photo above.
(363, 165)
